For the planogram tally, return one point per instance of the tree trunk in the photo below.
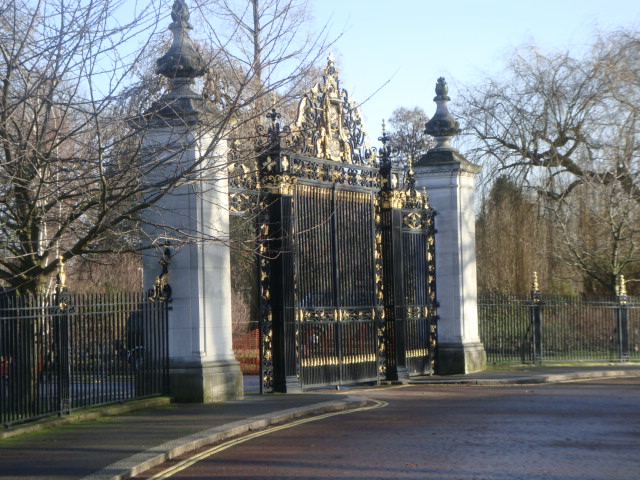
(257, 46)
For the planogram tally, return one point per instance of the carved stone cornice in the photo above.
(446, 161)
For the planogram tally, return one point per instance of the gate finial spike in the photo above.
(621, 288)
(61, 277)
(384, 138)
(385, 153)
(410, 180)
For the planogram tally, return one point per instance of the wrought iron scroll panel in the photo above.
(418, 250)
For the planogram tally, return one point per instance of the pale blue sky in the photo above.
(413, 42)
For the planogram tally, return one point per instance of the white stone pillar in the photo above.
(194, 217)
(449, 180)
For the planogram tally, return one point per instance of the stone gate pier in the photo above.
(450, 182)
(194, 219)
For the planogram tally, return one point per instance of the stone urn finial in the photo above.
(181, 65)
(180, 13)
(442, 89)
(442, 125)
(181, 60)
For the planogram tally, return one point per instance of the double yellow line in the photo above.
(184, 464)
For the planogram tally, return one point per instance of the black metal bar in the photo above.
(622, 314)
(536, 324)
(399, 306)
(279, 254)
(335, 270)
(62, 361)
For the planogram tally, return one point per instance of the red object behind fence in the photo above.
(4, 366)
(247, 351)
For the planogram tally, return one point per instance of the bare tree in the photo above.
(272, 44)
(56, 129)
(72, 183)
(563, 126)
(599, 234)
(514, 227)
(407, 133)
(267, 36)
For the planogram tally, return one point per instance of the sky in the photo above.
(399, 48)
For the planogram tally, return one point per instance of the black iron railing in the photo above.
(545, 328)
(60, 354)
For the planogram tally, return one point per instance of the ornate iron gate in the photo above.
(335, 299)
(410, 301)
(345, 252)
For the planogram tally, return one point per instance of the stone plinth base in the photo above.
(456, 359)
(205, 383)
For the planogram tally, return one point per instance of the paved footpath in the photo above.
(127, 442)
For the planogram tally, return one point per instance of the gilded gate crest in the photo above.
(329, 125)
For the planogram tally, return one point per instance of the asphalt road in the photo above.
(588, 430)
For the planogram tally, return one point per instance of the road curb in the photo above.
(153, 457)
(530, 379)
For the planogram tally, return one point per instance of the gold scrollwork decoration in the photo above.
(412, 220)
(329, 125)
(392, 199)
(279, 184)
